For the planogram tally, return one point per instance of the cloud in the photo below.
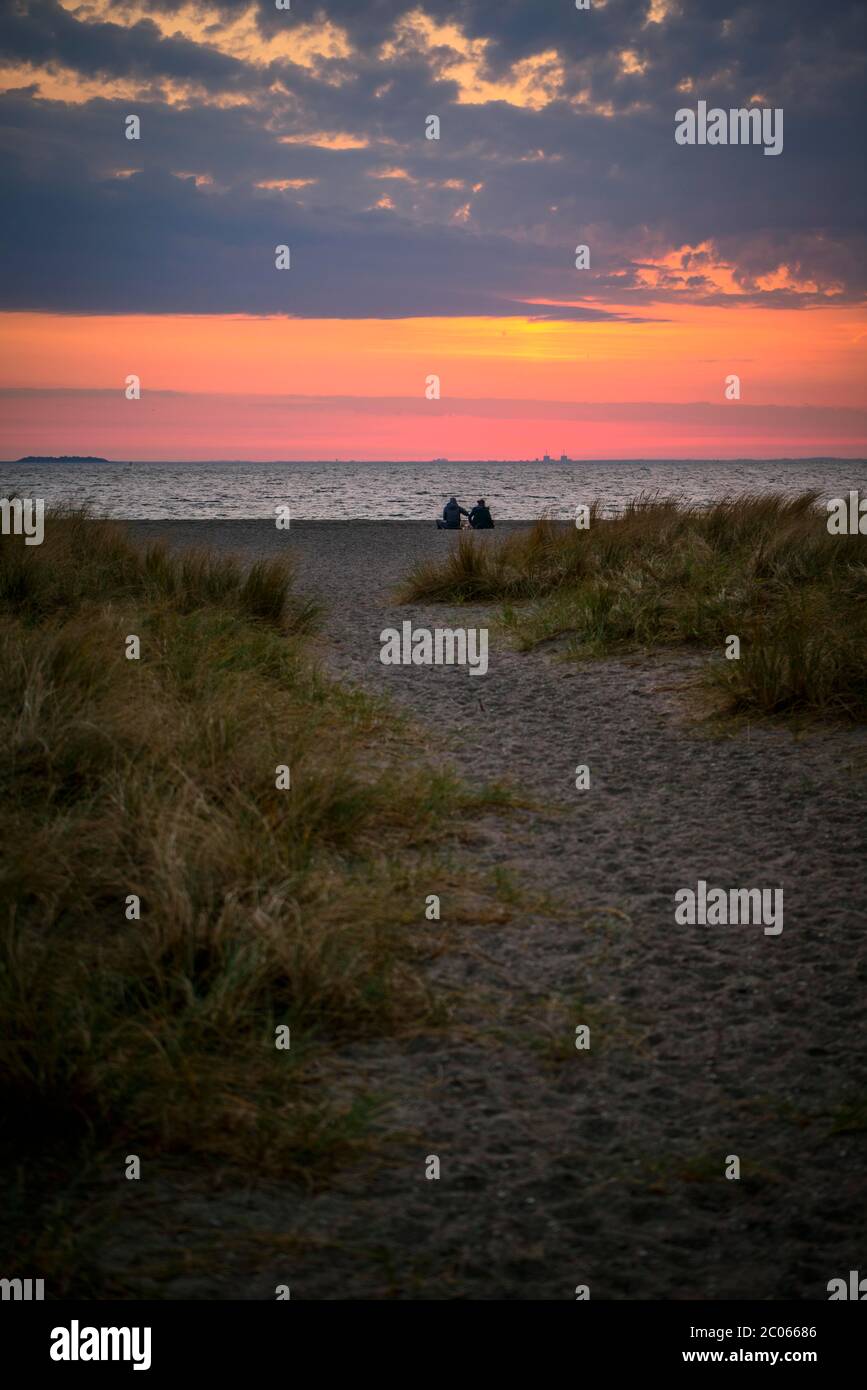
(837, 420)
(556, 129)
(170, 243)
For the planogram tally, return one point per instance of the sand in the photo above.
(604, 1167)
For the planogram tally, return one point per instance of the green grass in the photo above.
(763, 568)
(156, 777)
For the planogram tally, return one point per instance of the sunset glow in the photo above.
(418, 253)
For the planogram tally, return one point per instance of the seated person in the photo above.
(452, 513)
(480, 516)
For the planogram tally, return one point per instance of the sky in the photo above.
(413, 259)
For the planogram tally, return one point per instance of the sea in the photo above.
(345, 491)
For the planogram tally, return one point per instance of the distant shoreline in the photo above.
(439, 463)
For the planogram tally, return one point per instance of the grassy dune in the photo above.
(259, 907)
(764, 568)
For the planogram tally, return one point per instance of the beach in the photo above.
(387, 914)
(562, 1166)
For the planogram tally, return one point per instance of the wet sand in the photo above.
(605, 1167)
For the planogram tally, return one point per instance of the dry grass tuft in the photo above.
(156, 777)
(762, 567)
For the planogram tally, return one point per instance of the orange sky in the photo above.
(682, 354)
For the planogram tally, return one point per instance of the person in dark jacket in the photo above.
(480, 516)
(452, 513)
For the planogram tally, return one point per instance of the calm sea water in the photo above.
(415, 491)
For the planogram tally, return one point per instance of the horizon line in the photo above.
(551, 458)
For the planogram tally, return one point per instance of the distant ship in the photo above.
(61, 458)
(439, 460)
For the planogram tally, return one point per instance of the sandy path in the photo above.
(605, 1167)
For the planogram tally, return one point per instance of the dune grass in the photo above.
(761, 567)
(156, 778)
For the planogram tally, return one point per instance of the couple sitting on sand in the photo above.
(479, 518)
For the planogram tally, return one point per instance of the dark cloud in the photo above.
(155, 243)
(43, 32)
(545, 179)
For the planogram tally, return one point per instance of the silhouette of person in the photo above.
(480, 516)
(452, 513)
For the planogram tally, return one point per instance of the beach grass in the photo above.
(763, 568)
(258, 907)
